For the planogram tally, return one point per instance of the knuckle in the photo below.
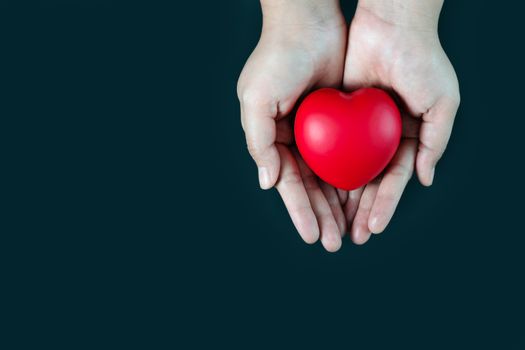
(251, 96)
(401, 170)
(438, 152)
(255, 149)
(254, 98)
(387, 196)
(435, 152)
(291, 179)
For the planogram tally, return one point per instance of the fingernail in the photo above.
(264, 178)
(373, 224)
(361, 237)
(432, 172)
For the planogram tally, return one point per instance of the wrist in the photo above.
(302, 13)
(409, 14)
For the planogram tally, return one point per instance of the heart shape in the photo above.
(347, 139)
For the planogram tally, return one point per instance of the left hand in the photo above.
(407, 59)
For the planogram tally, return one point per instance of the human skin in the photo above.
(302, 47)
(395, 45)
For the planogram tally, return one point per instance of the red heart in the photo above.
(347, 139)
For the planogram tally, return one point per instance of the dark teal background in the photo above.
(131, 209)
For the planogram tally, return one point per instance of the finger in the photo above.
(343, 196)
(329, 231)
(392, 186)
(360, 232)
(258, 120)
(291, 188)
(434, 135)
(351, 205)
(332, 197)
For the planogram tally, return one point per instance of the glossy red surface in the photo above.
(347, 139)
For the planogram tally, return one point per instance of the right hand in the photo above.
(300, 49)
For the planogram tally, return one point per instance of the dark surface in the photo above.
(132, 212)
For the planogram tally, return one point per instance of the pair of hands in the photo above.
(305, 45)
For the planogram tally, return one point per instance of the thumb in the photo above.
(434, 135)
(258, 121)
